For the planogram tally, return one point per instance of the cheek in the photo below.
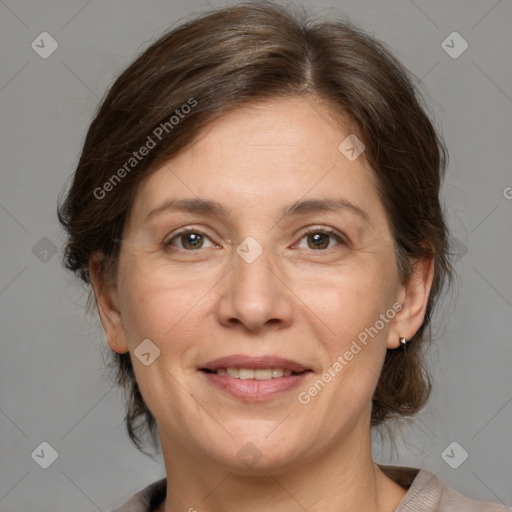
(355, 344)
(347, 301)
(169, 312)
(158, 306)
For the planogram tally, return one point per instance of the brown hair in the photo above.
(240, 55)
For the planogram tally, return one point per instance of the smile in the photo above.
(258, 374)
(250, 378)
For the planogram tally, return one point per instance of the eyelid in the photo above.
(304, 232)
(324, 229)
(183, 231)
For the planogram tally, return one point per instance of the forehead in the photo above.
(263, 156)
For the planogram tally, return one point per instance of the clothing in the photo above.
(426, 493)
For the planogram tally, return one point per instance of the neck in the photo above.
(343, 478)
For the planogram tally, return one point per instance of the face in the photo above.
(261, 247)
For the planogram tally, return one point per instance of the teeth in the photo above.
(245, 373)
(262, 374)
(233, 372)
(259, 374)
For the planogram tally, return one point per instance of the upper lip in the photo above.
(253, 362)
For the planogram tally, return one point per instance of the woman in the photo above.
(257, 210)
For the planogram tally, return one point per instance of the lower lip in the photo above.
(253, 390)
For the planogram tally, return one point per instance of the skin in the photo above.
(295, 301)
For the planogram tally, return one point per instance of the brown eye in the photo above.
(320, 239)
(191, 240)
(187, 240)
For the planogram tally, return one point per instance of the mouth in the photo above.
(250, 378)
(252, 373)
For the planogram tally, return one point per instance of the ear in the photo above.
(106, 299)
(413, 296)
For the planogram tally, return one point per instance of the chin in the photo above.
(261, 447)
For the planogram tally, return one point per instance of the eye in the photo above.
(187, 240)
(318, 239)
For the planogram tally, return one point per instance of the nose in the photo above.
(255, 295)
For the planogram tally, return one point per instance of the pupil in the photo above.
(319, 240)
(193, 240)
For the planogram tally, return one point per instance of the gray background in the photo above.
(52, 387)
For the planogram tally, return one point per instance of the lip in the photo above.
(254, 362)
(253, 390)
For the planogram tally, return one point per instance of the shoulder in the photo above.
(146, 500)
(428, 493)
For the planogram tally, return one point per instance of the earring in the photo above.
(403, 343)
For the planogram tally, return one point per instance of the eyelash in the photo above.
(325, 231)
(167, 244)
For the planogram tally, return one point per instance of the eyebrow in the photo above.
(195, 205)
(324, 205)
(301, 207)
